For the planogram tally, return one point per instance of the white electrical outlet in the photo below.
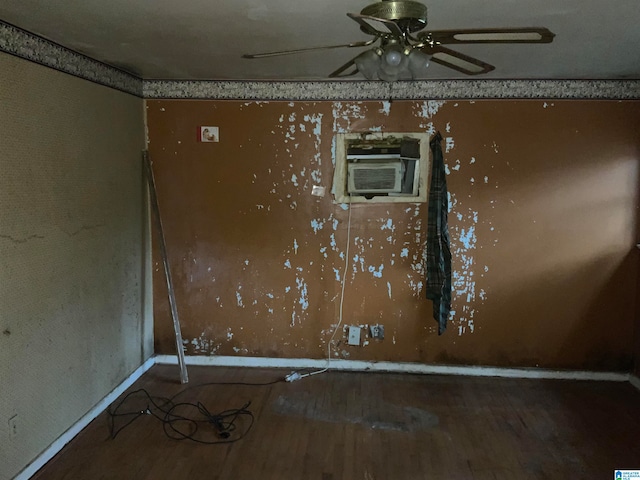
(354, 336)
(376, 331)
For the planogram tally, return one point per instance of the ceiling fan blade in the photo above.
(339, 72)
(301, 50)
(490, 35)
(375, 25)
(456, 60)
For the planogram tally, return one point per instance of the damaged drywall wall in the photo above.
(542, 219)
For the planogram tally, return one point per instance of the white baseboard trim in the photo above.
(77, 427)
(635, 381)
(360, 365)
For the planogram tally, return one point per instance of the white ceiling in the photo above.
(198, 39)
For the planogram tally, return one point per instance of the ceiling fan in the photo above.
(404, 46)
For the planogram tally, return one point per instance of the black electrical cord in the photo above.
(180, 422)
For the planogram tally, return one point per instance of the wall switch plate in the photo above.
(376, 331)
(354, 336)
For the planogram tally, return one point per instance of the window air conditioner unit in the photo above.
(381, 167)
(370, 175)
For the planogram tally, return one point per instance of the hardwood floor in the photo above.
(371, 426)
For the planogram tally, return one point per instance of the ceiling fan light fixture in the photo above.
(368, 63)
(394, 60)
(418, 64)
(394, 64)
(393, 57)
(391, 63)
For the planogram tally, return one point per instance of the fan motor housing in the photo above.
(411, 15)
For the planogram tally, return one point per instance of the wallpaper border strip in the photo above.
(26, 45)
(418, 90)
(23, 44)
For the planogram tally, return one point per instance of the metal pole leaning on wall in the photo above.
(184, 377)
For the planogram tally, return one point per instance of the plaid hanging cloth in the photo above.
(438, 253)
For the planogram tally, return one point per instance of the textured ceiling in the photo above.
(197, 39)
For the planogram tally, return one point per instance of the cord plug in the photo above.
(292, 377)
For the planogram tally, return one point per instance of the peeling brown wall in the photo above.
(543, 225)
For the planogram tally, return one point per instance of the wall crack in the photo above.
(20, 240)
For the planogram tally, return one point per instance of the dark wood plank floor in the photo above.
(373, 426)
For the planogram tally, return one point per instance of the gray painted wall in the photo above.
(73, 267)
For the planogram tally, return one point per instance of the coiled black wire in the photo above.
(185, 420)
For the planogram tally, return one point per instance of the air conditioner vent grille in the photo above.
(375, 179)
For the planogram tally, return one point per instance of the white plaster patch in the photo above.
(416, 286)
(332, 241)
(463, 245)
(376, 272)
(385, 108)
(333, 157)
(387, 224)
(429, 108)
(317, 225)
(358, 260)
(316, 121)
(449, 144)
(239, 299)
(203, 344)
(344, 113)
(302, 289)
